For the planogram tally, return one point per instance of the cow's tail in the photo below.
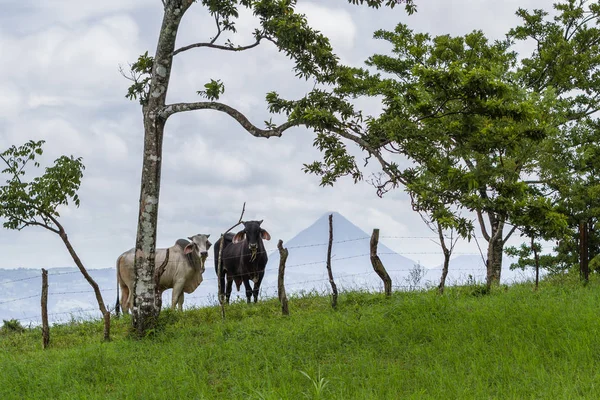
(118, 304)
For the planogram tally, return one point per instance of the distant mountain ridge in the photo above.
(350, 257)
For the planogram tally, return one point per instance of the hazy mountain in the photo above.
(350, 258)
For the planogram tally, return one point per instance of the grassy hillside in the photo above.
(511, 344)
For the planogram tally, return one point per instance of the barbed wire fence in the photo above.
(269, 291)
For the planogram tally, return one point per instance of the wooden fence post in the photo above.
(45, 326)
(333, 286)
(378, 265)
(283, 255)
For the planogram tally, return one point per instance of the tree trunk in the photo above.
(91, 281)
(44, 303)
(494, 262)
(378, 265)
(584, 268)
(494, 250)
(536, 258)
(329, 272)
(145, 306)
(283, 255)
(447, 253)
(442, 284)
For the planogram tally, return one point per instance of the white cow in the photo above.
(183, 272)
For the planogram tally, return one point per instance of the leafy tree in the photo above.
(280, 25)
(567, 59)
(37, 202)
(573, 182)
(453, 107)
(539, 220)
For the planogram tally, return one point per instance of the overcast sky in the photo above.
(60, 81)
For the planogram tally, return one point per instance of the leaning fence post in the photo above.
(378, 265)
(333, 286)
(283, 255)
(45, 327)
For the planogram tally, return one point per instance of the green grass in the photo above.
(511, 344)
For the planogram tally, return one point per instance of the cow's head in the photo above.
(199, 244)
(253, 233)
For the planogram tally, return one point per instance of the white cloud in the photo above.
(11, 99)
(61, 65)
(60, 82)
(70, 11)
(195, 157)
(36, 100)
(114, 147)
(337, 24)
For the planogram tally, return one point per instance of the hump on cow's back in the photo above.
(229, 237)
(182, 243)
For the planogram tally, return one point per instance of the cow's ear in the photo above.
(207, 236)
(240, 236)
(208, 244)
(265, 235)
(189, 248)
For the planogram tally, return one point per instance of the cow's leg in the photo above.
(257, 287)
(248, 289)
(229, 287)
(125, 299)
(180, 302)
(177, 293)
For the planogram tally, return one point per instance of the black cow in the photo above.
(244, 259)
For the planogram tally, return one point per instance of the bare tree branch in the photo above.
(55, 222)
(239, 220)
(372, 151)
(219, 46)
(509, 234)
(486, 235)
(129, 77)
(480, 252)
(35, 223)
(171, 109)
(218, 30)
(442, 242)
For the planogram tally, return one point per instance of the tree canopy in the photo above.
(281, 25)
(467, 123)
(37, 201)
